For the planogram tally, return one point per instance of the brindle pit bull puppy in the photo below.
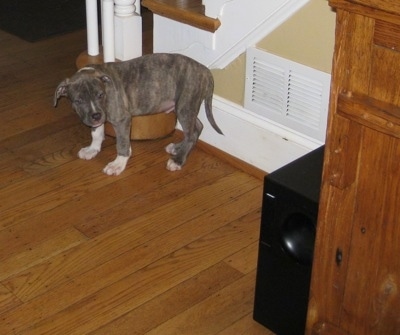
(157, 83)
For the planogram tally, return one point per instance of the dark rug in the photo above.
(34, 20)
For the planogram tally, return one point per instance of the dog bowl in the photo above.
(148, 127)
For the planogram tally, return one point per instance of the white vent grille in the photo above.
(288, 93)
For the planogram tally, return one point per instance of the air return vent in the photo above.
(291, 94)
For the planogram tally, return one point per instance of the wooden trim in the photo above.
(189, 15)
(387, 35)
(364, 10)
(382, 5)
(235, 162)
(369, 112)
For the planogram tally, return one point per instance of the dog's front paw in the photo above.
(173, 166)
(87, 153)
(115, 167)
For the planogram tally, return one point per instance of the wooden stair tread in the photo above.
(189, 12)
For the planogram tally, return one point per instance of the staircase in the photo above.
(215, 32)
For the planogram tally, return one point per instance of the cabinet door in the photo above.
(355, 285)
(356, 277)
(371, 300)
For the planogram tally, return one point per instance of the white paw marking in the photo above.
(170, 148)
(88, 153)
(115, 167)
(94, 148)
(172, 166)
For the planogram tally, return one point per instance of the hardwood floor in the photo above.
(147, 252)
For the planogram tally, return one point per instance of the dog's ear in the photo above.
(61, 91)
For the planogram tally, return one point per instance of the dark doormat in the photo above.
(33, 20)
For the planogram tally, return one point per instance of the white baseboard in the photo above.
(253, 139)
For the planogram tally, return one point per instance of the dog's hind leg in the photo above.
(181, 150)
(94, 148)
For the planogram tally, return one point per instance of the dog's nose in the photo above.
(96, 116)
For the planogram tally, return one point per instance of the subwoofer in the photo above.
(287, 234)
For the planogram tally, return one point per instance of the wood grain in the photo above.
(387, 35)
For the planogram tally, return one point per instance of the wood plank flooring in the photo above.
(147, 252)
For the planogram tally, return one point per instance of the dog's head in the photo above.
(86, 90)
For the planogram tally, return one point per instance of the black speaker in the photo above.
(287, 234)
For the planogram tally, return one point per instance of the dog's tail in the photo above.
(210, 116)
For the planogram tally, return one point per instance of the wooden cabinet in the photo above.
(355, 287)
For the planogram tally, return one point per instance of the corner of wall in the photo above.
(230, 81)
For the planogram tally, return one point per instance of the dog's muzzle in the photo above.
(96, 116)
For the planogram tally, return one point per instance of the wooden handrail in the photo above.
(188, 12)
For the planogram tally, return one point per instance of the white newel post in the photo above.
(121, 25)
(128, 30)
(92, 26)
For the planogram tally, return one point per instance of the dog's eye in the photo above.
(78, 101)
(100, 95)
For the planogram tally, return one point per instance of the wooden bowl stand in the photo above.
(148, 127)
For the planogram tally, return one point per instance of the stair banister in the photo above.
(121, 29)
(108, 30)
(128, 29)
(92, 26)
